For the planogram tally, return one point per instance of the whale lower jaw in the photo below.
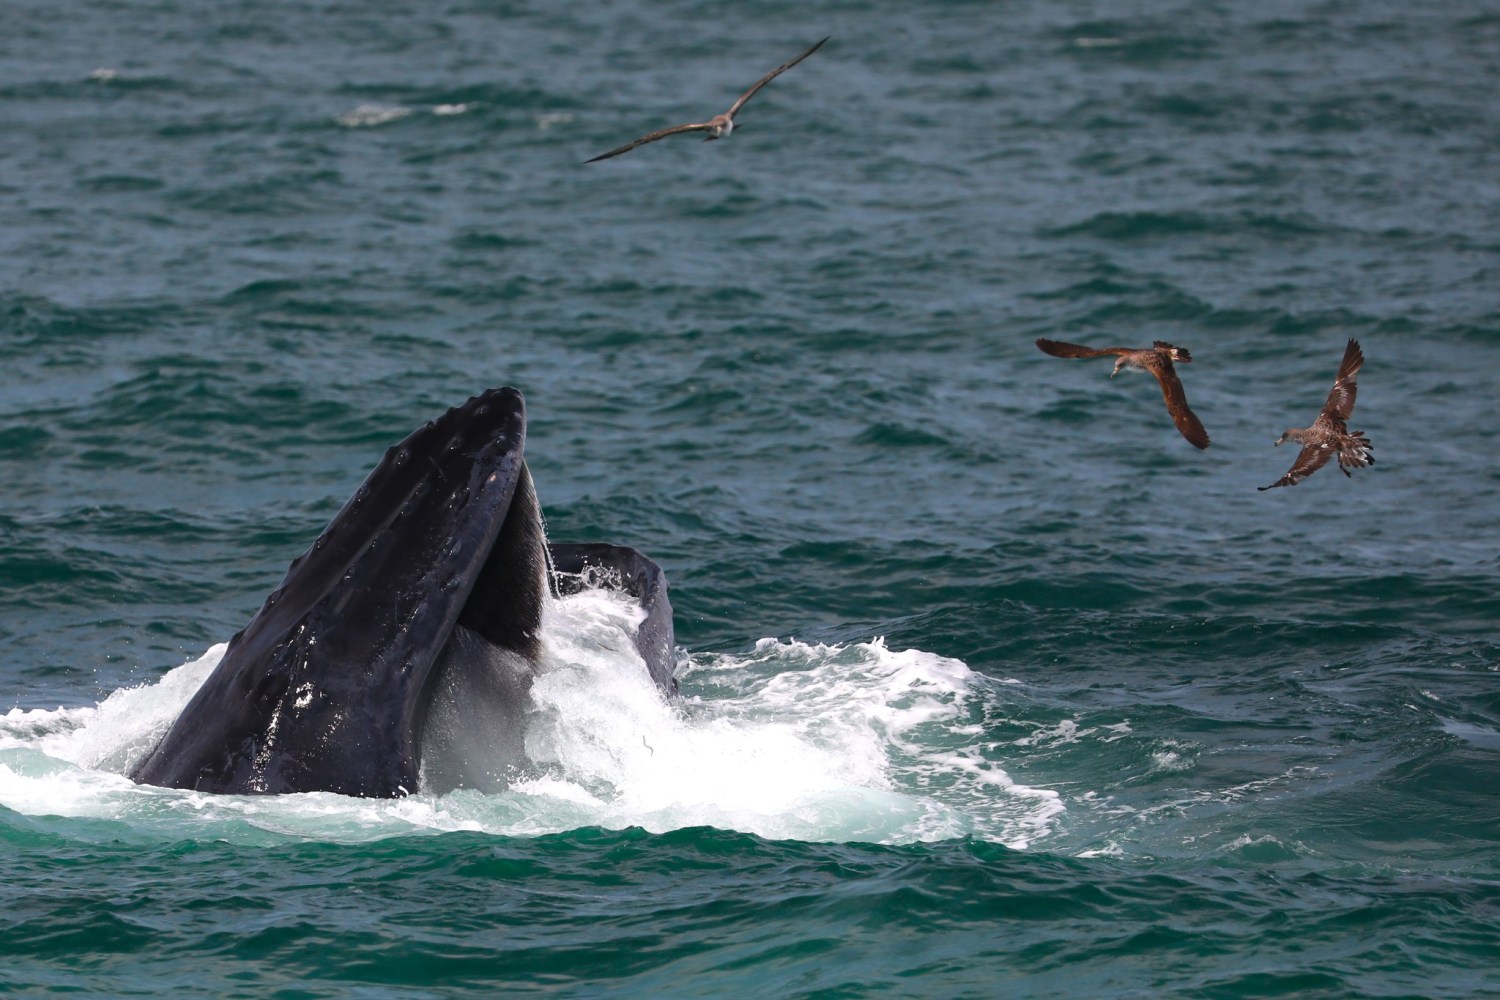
(474, 735)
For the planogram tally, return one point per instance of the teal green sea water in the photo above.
(992, 684)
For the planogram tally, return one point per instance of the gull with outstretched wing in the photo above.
(1156, 359)
(1329, 435)
(717, 127)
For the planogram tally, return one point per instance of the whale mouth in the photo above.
(424, 593)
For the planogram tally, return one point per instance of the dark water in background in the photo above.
(1134, 729)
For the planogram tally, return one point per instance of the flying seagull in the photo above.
(717, 127)
(1328, 435)
(1156, 359)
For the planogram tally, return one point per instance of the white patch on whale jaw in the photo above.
(474, 735)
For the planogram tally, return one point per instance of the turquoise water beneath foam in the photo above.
(993, 685)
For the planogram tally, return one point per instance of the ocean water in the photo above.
(991, 684)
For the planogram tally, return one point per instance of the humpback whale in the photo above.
(397, 653)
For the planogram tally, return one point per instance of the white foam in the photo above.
(375, 115)
(791, 741)
(371, 115)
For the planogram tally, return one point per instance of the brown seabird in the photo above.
(1328, 435)
(717, 127)
(1156, 359)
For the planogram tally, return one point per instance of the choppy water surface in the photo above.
(992, 684)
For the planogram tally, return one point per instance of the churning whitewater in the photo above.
(838, 743)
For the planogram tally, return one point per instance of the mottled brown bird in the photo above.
(717, 127)
(1329, 436)
(1156, 359)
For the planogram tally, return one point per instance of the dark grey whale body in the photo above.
(401, 644)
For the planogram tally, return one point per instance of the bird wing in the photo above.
(1340, 401)
(735, 107)
(1059, 349)
(652, 137)
(1180, 354)
(1177, 405)
(1310, 459)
